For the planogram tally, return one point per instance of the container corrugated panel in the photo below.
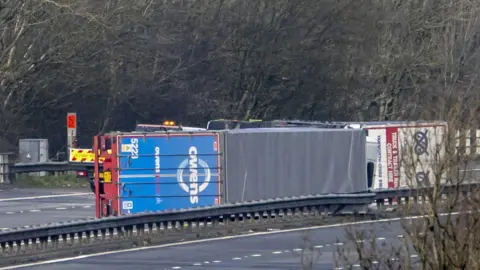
(160, 172)
(282, 162)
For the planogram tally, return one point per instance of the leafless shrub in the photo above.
(308, 254)
(437, 59)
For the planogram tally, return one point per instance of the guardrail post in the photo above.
(10, 246)
(150, 228)
(95, 234)
(128, 231)
(88, 236)
(110, 233)
(141, 231)
(43, 242)
(19, 246)
(120, 231)
(54, 240)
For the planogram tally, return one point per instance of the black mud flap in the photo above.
(92, 184)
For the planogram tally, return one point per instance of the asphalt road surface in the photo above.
(26, 207)
(278, 250)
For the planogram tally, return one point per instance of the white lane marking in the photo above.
(60, 208)
(79, 204)
(236, 258)
(338, 244)
(35, 210)
(223, 238)
(176, 267)
(400, 236)
(256, 255)
(44, 197)
(319, 246)
(206, 262)
(9, 213)
(381, 238)
(87, 206)
(414, 256)
(196, 264)
(297, 249)
(216, 261)
(356, 265)
(277, 252)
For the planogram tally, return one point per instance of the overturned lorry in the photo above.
(400, 154)
(163, 170)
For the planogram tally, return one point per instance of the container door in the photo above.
(161, 172)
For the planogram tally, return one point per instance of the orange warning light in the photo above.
(71, 121)
(168, 123)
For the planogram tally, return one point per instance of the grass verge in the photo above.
(50, 181)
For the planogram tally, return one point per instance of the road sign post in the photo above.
(71, 131)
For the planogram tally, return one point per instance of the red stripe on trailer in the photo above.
(79, 151)
(392, 156)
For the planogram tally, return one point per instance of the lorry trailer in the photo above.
(388, 143)
(155, 171)
(370, 142)
(419, 144)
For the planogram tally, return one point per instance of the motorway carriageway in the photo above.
(26, 207)
(265, 250)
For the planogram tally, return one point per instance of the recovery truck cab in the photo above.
(84, 159)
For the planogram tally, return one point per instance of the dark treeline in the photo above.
(115, 62)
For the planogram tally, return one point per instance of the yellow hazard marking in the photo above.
(107, 177)
(81, 155)
(84, 155)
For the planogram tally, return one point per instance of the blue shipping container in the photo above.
(160, 172)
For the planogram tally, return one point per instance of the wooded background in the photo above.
(115, 62)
